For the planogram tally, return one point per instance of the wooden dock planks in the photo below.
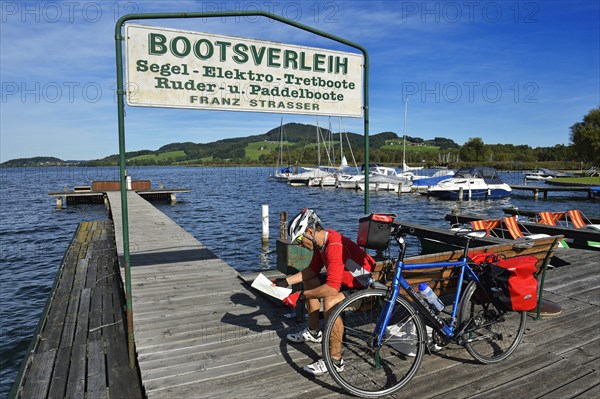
(82, 326)
(200, 332)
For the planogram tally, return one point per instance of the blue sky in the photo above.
(505, 71)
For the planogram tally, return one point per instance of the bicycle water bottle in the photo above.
(431, 297)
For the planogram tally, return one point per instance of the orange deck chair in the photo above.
(550, 218)
(512, 227)
(487, 225)
(576, 218)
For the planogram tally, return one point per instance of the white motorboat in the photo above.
(472, 183)
(349, 182)
(329, 178)
(304, 177)
(544, 174)
(382, 178)
(423, 183)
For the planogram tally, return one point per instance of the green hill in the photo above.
(263, 149)
(38, 161)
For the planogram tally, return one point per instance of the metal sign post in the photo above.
(287, 56)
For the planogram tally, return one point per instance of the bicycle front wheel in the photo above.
(370, 371)
(493, 334)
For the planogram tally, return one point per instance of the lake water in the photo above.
(223, 211)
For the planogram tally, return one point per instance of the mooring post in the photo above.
(283, 225)
(460, 194)
(265, 224)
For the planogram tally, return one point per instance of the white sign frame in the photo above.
(174, 68)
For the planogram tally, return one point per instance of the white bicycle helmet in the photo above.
(302, 221)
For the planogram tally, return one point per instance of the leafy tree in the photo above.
(473, 151)
(585, 137)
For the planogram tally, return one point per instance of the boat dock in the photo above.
(200, 331)
(536, 190)
(80, 346)
(96, 193)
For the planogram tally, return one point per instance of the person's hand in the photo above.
(293, 298)
(281, 282)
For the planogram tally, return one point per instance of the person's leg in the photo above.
(313, 305)
(335, 342)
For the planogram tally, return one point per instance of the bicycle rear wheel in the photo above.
(494, 334)
(368, 371)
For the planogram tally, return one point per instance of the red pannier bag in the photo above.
(511, 283)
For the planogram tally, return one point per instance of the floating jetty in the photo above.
(200, 331)
(96, 193)
(536, 190)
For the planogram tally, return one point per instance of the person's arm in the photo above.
(321, 291)
(305, 274)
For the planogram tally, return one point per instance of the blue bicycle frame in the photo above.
(448, 331)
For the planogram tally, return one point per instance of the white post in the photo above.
(265, 224)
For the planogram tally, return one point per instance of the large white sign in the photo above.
(182, 69)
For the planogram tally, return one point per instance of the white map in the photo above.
(265, 285)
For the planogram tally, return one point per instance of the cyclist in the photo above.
(348, 267)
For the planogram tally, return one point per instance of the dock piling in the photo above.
(283, 225)
(265, 224)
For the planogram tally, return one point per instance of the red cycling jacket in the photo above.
(347, 264)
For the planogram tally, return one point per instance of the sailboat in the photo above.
(407, 170)
(281, 173)
(329, 175)
(313, 174)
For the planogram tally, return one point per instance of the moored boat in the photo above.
(479, 182)
(545, 174)
(424, 183)
(382, 178)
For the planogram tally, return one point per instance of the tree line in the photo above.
(385, 148)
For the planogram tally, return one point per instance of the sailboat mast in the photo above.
(318, 145)
(280, 157)
(341, 142)
(404, 146)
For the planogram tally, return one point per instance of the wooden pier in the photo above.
(96, 194)
(536, 190)
(80, 349)
(201, 332)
